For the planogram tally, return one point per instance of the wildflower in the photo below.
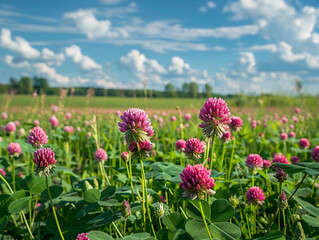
(234, 200)
(125, 156)
(236, 123)
(68, 129)
(136, 125)
(226, 136)
(82, 236)
(68, 115)
(36, 123)
(2, 172)
(295, 119)
(14, 149)
(4, 115)
(284, 201)
(297, 110)
(118, 113)
(126, 209)
(279, 158)
(21, 132)
(160, 210)
(173, 118)
(45, 160)
(144, 148)
(100, 155)
(283, 136)
(162, 199)
(284, 119)
(54, 108)
(261, 134)
(254, 124)
(17, 123)
(196, 181)
(254, 161)
(187, 117)
(255, 195)
(266, 164)
(315, 154)
(304, 143)
(292, 135)
(10, 127)
(215, 116)
(54, 121)
(20, 174)
(281, 175)
(181, 145)
(37, 137)
(295, 160)
(194, 148)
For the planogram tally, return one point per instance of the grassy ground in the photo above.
(157, 103)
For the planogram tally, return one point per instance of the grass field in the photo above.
(159, 103)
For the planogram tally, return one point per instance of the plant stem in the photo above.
(304, 177)
(117, 230)
(204, 220)
(13, 174)
(212, 151)
(22, 213)
(54, 213)
(231, 159)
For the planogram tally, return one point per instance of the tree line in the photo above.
(27, 85)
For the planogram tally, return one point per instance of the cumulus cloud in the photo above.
(50, 72)
(207, 6)
(87, 23)
(176, 72)
(23, 48)
(9, 60)
(87, 64)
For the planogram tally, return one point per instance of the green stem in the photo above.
(212, 151)
(54, 213)
(231, 159)
(118, 231)
(13, 174)
(304, 177)
(204, 220)
(22, 213)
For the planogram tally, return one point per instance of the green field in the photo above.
(158, 103)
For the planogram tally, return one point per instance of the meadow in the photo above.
(98, 168)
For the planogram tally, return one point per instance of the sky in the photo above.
(236, 46)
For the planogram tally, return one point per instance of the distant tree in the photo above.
(298, 86)
(170, 90)
(193, 90)
(186, 89)
(208, 90)
(25, 85)
(41, 85)
(13, 85)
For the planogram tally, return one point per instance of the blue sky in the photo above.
(250, 46)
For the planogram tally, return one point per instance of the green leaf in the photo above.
(97, 235)
(108, 192)
(196, 229)
(307, 206)
(273, 235)
(221, 211)
(92, 195)
(19, 194)
(173, 221)
(5, 200)
(121, 178)
(51, 224)
(65, 171)
(303, 192)
(103, 219)
(138, 236)
(193, 209)
(19, 205)
(3, 222)
(55, 190)
(34, 184)
(311, 220)
(291, 168)
(225, 231)
(313, 169)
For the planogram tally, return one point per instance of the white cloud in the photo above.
(10, 61)
(208, 5)
(19, 45)
(211, 4)
(265, 47)
(87, 23)
(285, 51)
(24, 49)
(177, 72)
(87, 64)
(51, 73)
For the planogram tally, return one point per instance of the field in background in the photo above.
(79, 102)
